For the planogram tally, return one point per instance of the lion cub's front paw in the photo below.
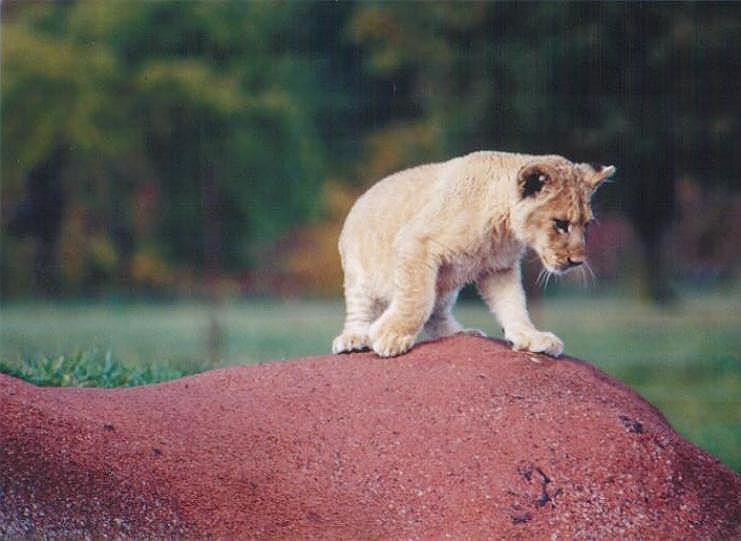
(535, 341)
(391, 345)
(347, 342)
(388, 342)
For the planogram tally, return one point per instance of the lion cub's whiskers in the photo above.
(592, 275)
(543, 278)
(588, 278)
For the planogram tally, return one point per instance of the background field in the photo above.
(684, 359)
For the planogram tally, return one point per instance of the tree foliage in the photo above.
(204, 110)
(650, 87)
(190, 135)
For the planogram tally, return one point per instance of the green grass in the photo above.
(143, 333)
(91, 368)
(685, 359)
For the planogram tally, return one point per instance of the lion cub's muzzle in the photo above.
(568, 264)
(572, 262)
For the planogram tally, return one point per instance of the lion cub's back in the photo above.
(379, 213)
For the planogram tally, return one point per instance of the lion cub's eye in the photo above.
(562, 226)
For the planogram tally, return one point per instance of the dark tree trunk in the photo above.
(652, 209)
(40, 216)
(648, 154)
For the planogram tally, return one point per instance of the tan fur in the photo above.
(416, 237)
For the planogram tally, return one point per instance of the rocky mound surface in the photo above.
(460, 438)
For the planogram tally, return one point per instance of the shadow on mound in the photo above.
(460, 437)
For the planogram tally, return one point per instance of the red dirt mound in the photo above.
(460, 438)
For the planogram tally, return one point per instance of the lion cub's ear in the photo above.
(595, 173)
(532, 178)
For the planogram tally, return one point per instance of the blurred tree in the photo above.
(650, 87)
(50, 92)
(212, 104)
(193, 133)
(40, 216)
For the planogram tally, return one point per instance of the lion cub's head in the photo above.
(553, 210)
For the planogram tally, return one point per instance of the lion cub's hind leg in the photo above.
(361, 311)
(442, 322)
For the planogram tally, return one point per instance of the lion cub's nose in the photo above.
(575, 261)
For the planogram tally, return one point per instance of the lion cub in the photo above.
(416, 237)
